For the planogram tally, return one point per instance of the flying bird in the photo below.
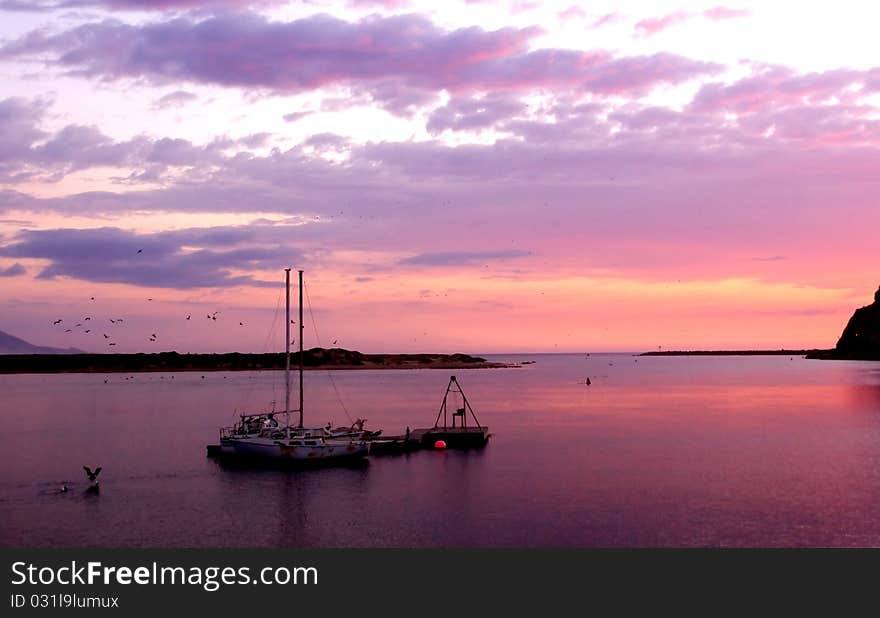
(77, 325)
(93, 298)
(67, 331)
(112, 321)
(84, 319)
(241, 323)
(111, 343)
(140, 251)
(149, 299)
(93, 476)
(106, 336)
(188, 317)
(334, 341)
(57, 322)
(88, 330)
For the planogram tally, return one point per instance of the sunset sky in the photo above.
(470, 176)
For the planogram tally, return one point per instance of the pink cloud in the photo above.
(572, 12)
(720, 12)
(653, 25)
(606, 19)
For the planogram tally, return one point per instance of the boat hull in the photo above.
(259, 448)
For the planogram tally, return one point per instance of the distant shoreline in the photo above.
(733, 353)
(316, 358)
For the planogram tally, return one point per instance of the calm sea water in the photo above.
(678, 451)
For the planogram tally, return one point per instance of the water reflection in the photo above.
(663, 451)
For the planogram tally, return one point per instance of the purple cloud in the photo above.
(110, 255)
(294, 116)
(386, 56)
(13, 271)
(178, 98)
(19, 120)
(475, 113)
(27, 152)
(780, 86)
(130, 5)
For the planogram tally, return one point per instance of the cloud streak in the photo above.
(186, 259)
(460, 258)
(385, 56)
(655, 25)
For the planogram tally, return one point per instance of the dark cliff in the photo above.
(861, 337)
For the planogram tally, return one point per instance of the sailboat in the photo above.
(261, 436)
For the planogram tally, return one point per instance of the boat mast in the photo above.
(287, 351)
(300, 349)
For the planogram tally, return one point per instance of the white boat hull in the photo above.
(266, 448)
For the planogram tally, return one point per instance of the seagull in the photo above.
(93, 476)
(57, 322)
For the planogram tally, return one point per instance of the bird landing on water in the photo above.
(93, 477)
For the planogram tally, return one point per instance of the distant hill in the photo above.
(14, 345)
(316, 358)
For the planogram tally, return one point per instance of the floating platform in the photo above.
(213, 450)
(455, 437)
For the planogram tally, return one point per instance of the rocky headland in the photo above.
(861, 337)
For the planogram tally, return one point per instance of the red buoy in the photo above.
(440, 444)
